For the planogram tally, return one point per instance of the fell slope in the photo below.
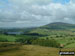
(53, 28)
(31, 50)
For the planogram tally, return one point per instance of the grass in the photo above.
(7, 46)
(31, 50)
(72, 45)
(8, 37)
(63, 37)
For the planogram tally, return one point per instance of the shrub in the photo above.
(26, 40)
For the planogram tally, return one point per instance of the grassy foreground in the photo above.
(34, 50)
(31, 50)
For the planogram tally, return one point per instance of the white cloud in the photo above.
(36, 12)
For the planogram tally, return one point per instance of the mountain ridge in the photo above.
(55, 27)
(59, 25)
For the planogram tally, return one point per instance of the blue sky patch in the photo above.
(6, 1)
(61, 1)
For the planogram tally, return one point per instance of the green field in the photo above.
(70, 45)
(41, 41)
(7, 38)
(63, 37)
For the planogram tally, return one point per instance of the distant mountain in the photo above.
(59, 26)
(45, 30)
(54, 28)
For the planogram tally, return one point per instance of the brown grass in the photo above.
(32, 50)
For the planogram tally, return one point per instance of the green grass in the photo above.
(8, 37)
(72, 45)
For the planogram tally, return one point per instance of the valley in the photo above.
(40, 41)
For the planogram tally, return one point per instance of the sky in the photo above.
(31, 13)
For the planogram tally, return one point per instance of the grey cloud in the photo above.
(27, 13)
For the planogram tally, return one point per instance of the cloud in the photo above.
(27, 13)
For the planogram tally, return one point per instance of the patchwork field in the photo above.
(42, 41)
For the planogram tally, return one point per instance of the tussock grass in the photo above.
(31, 50)
(7, 46)
(34, 50)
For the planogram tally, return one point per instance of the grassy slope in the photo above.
(62, 37)
(70, 45)
(9, 38)
(30, 50)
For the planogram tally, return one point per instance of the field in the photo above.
(12, 48)
(42, 41)
(70, 45)
(33, 50)
(7, 38)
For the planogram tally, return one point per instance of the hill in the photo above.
(54, 27)
(59, 26)
(64, 33)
